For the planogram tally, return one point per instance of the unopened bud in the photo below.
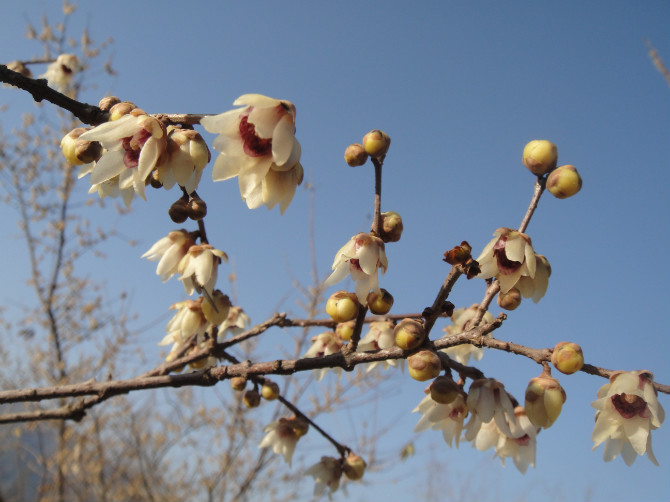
(120, 109)
(197, 209)
(444, 390)
(78, 152)
(544, 400)
(299, 425)
(564, 182)
(458, 254)
(509, 300)
(342, 306)
(238, 383)
(540, 156)
(409, 334)
(106, 103)
(355, 155)
(217, 311)
(376, 143)
(567, 357)
(270, 391)
(251, 398)
(345, 330)
(19, 67)
(179, 211)
(391, 227)
(380, 303)
(424, 365)
(354, 466)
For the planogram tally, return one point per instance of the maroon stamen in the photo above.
(253, 145)
(629, 405)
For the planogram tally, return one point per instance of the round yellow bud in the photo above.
(354, 467)
(564, 182)
(509, 300)
(380, 304)
(238, 383)
(567, 357)
(376, 143)
(270, 391)
(409, 334)
(544, 400)
(345, 330)
(540, 156)
(424, 365)
(391, 228)
(355, 155)
(342, 306)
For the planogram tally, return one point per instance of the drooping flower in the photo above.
(508, 257)
(488, 400)
(187, 322)
(324, 344)
(535, 287)
(361, 257)
(135, 144)
(187, 156)
(237, 322)
(448, 418)
(61, 72)
(380, 336)
(520, 447)
(199, 266)
(169, 251)
(257, 144)
(628, 411)
(282, 435)
(326, 474)
(461, 322)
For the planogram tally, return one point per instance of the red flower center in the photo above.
(505, 265)
(253, 145)
(629, 405)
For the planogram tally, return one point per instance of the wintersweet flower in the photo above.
(508, 257)
(324, 344)
(187, 322)
(627, 413)
(448, 418)
(257, 144)
(488, 400)
(168, 252)
(198, 268)
(535, 287)
(237, 322)
(135, 144)
(380, 336)
(61, 72)
(521, 448)
(461, 319)
(282, 435)
(326, 474)
(187, 156)
(361, 257)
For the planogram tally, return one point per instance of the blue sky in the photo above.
(460, 87)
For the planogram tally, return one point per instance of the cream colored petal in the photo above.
(110, 165)
(225, 167)
(515, 249)
(507, 282)
(252, 173)
(256, 100)
(148, 158)
(110, 133)
(488, 250)
(530, 260)
(339, 273)
(637, 430)
(126, 178)
(283, 142)
(224, 123)
(254, 198)
(368, 258)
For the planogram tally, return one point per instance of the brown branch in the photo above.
(377, 218)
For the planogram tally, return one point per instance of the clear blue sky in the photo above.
(460, 87)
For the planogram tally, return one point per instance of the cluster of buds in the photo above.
(540, 157)
(374, 144)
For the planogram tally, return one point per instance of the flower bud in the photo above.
(564, 182)
(567, 357)
(354, 466)
(238, 383)
(444, 390)
(540, 156)
(19, 67)
(409, 334)
(391, 228)
(299, 425)
(509, 300)
(78, 152)
(217, 311)
(106, 103)
(380, 304)
(544, 400)
(342, 306)
(251, 398)
(196, 209)
(355, 155)
(458, 255)
(270, 390)
(154, 179)
(179, 211)
(376, 143)
(120, 109)
(424, 365)
(345, 330)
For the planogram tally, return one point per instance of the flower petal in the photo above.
(110, 165)
(283, 139)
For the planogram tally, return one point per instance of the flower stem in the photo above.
(377, 218)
